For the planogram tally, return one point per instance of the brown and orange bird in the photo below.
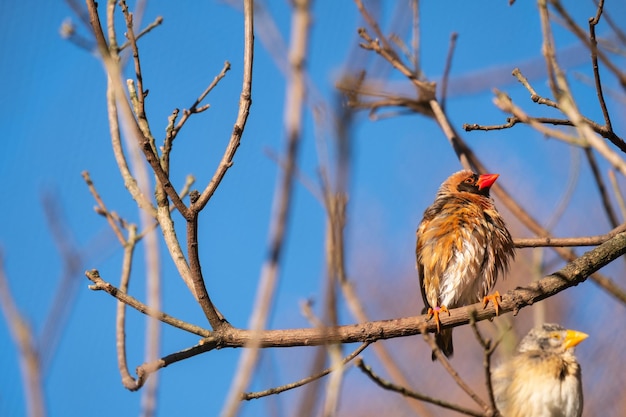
(462, 247)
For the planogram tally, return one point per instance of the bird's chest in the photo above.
(455, 255)
(547, 393)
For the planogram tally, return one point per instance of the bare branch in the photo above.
(606, 201)
(582, 36)
(618, 193)
(100, 284)
(193, 109)
(245, 101)
(120, 320)
(570, 241)
(102, 208)
(157, 22)
(593, 21)
(22, 334)
(277, 390)
(446, 70)
(214, 317)
(445, 363)
(413, 394)
(134, 131)
(488, 349)
(573, 273)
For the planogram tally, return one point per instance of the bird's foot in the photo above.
(495, 298)
(434, 312)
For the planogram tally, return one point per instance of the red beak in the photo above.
(486, 180)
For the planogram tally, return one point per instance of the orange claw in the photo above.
(495, 298)
(434, 312)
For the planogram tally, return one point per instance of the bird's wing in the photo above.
(418, 263)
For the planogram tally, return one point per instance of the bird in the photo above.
(543, 378)
(462, 247)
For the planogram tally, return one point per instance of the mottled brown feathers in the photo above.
(462, 245)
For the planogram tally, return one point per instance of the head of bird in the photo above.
(551, 338)
(470, 182)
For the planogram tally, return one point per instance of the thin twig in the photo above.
(426, 90)
(214, 317)
(149, 368)
(336, 218)
(102, 208)
(504, 103)
(193, 109)
(137, 96)
(582, 36)
(568, 241)
(451, 371)
(621, 36)
(120, 158)
(488, 349)
(23, 337)
(120, 321)
(371, 22)
(245, 101)
(547, 48)
(605, 131)
(533, 94)
(100, 284)
(621, 201)
(277, 390)
(593, 21)
(413, 394)
(564, 200)
(606, 201)
(157, 22)
(66, 292)
(189, 181)
(134, 131)
(415, 36)
(446, 70)
(531, 120)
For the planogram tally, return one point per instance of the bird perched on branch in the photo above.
(462, 247)
(543, 379)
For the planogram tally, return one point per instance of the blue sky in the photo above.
(53, 113)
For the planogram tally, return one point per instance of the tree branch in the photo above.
(549, 241)
(573, 273)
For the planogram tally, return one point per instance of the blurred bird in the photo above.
(543, 379)
(462, 247)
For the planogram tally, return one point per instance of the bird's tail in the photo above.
(444, 341)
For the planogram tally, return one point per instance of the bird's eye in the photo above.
(469, 180)
(555, 336)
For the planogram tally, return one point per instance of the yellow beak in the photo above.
(572, 338)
